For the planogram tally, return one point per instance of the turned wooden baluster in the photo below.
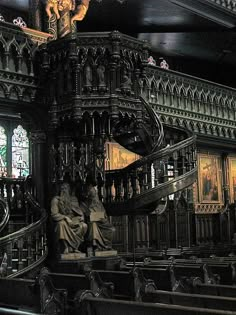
(37, 241)
(20, 245)
(145, 176)
(175, 170)
(29, 250)
(125, 186)
(108, 187)
(117, 184)
(134, 182)
(9, 257)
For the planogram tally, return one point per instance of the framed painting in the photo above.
(232, 178)
(118, 157)
(209, 181)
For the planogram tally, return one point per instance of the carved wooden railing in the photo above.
(5, 214)
(25, 248)
(17, 73)
(198, 105)
(13, 203)
(226, 4)
(138, 187)
(109, 71)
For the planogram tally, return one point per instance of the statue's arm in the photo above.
(56, 215)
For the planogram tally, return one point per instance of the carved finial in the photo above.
(19, 22)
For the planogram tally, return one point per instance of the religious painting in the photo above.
(209, 179)
(118, 157)
(232, 178)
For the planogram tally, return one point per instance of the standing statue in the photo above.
(52, 5)
(70, 226)
(100, 231)
(79, 9)
(101, 75)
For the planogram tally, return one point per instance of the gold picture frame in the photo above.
(232, 178)
(209, 179)
(118, 157)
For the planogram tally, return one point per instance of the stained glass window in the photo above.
(20, 152)
(3, 152)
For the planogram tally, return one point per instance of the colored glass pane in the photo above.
(3, 152)
(20, 152)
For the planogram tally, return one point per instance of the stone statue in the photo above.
(70, 226)
(88, 76)
(100, 231)
(101, 75)
(126, 81)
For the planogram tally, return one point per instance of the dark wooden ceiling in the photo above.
(172, 29)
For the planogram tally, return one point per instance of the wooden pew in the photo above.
(182, 270)
(20, 293)
(217, 271)
(164, 278)
(225, 269)
(37, 296)
(215, 289)
(9, 311)
(196, 300)
(195, 286)
(74, 283)
(128, 284)
(88, 304)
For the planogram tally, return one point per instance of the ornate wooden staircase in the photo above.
(139, 187)
(23, 229)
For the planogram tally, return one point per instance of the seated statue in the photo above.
(100, 231)
(70, 226)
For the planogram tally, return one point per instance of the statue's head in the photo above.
(65, 188)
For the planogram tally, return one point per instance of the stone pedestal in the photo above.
(70, 264)
(105, 253)
(72, 256)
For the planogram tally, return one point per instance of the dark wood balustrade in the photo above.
(226, 4)
(144, 182)
(25, 247)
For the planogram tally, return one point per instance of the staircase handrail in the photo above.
(23, 231)
(156, 155)
(6, 214)
(229, 5)
(30, 239)
(141, 185)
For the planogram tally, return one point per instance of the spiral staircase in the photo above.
(162, 170)
(23, 245)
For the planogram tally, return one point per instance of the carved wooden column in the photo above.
(115, 58)
(39, 167)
